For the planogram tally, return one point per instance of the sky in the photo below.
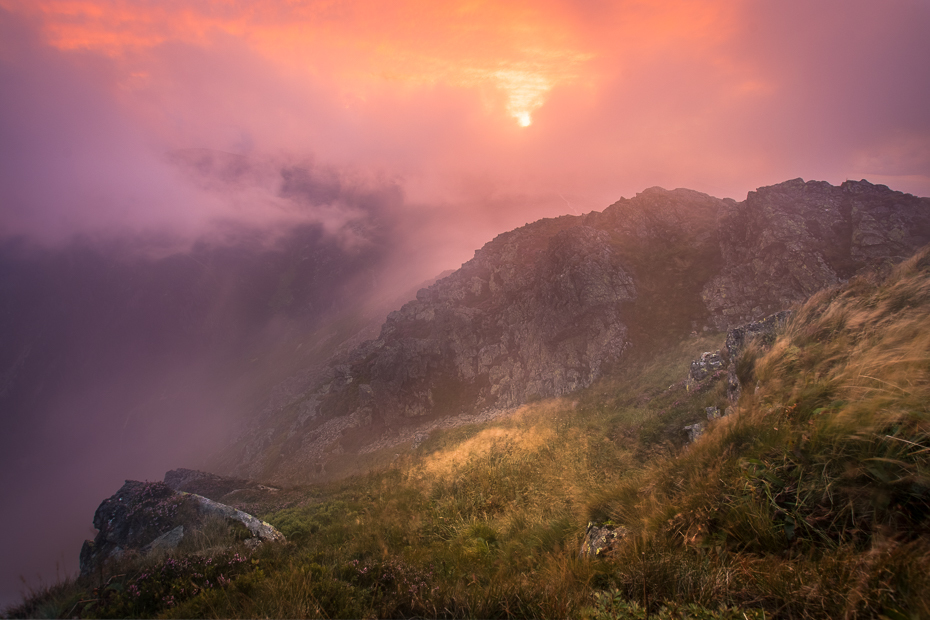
(430, 127)
(483, 115)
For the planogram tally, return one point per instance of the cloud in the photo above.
(81, 155)
(422, 101)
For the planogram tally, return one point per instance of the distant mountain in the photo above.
(547, 308)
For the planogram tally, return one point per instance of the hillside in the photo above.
(809, 500)
(547, 309)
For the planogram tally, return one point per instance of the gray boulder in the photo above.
(148, 517)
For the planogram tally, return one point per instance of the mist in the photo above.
(197, 201)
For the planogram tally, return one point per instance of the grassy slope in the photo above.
(810, 501)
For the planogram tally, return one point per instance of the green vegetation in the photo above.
(810, 501)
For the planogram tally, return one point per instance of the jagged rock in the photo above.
(707, 366)
(739, 337)
(600, 539)
(787, 241)
(766, 328)
(712, 412)
(709, 363)
(695, 430)
(147, 517)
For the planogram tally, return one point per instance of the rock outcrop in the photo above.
(147, 517)
(787, 241)
(708, 365)
(543, 310)
(707, 369)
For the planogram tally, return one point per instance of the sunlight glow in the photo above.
(524, 51)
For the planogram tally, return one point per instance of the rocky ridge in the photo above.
(545, 309)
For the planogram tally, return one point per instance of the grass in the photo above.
(810, 501)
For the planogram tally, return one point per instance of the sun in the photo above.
(524, 119)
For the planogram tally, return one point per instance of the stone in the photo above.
(599, 540)
(707, 367)
(712, 412)
(764, 329)
(166, 542)
(709, 363)
(694, 431)
(737, 338)
(260, 530)
(148, 517)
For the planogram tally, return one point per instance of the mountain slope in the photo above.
(545, 309)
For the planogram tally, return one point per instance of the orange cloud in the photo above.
(520, 50)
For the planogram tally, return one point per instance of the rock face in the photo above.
(787, 241)
(511, 324)
(543, 310)
(143, 517)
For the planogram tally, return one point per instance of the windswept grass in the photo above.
(810, 501)
(813, 500)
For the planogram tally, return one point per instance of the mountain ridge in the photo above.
(547, 308)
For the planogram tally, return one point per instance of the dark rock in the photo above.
(167, 541)
(695, 430)
(145, 517)
(601, 539)
(764, 329)
(709, 363)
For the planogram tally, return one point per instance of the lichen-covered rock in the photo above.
(601, 539)
(703, 369)
(709, 363)
(147, 517)
(694, 431)
(260, 531)
(737, 338)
